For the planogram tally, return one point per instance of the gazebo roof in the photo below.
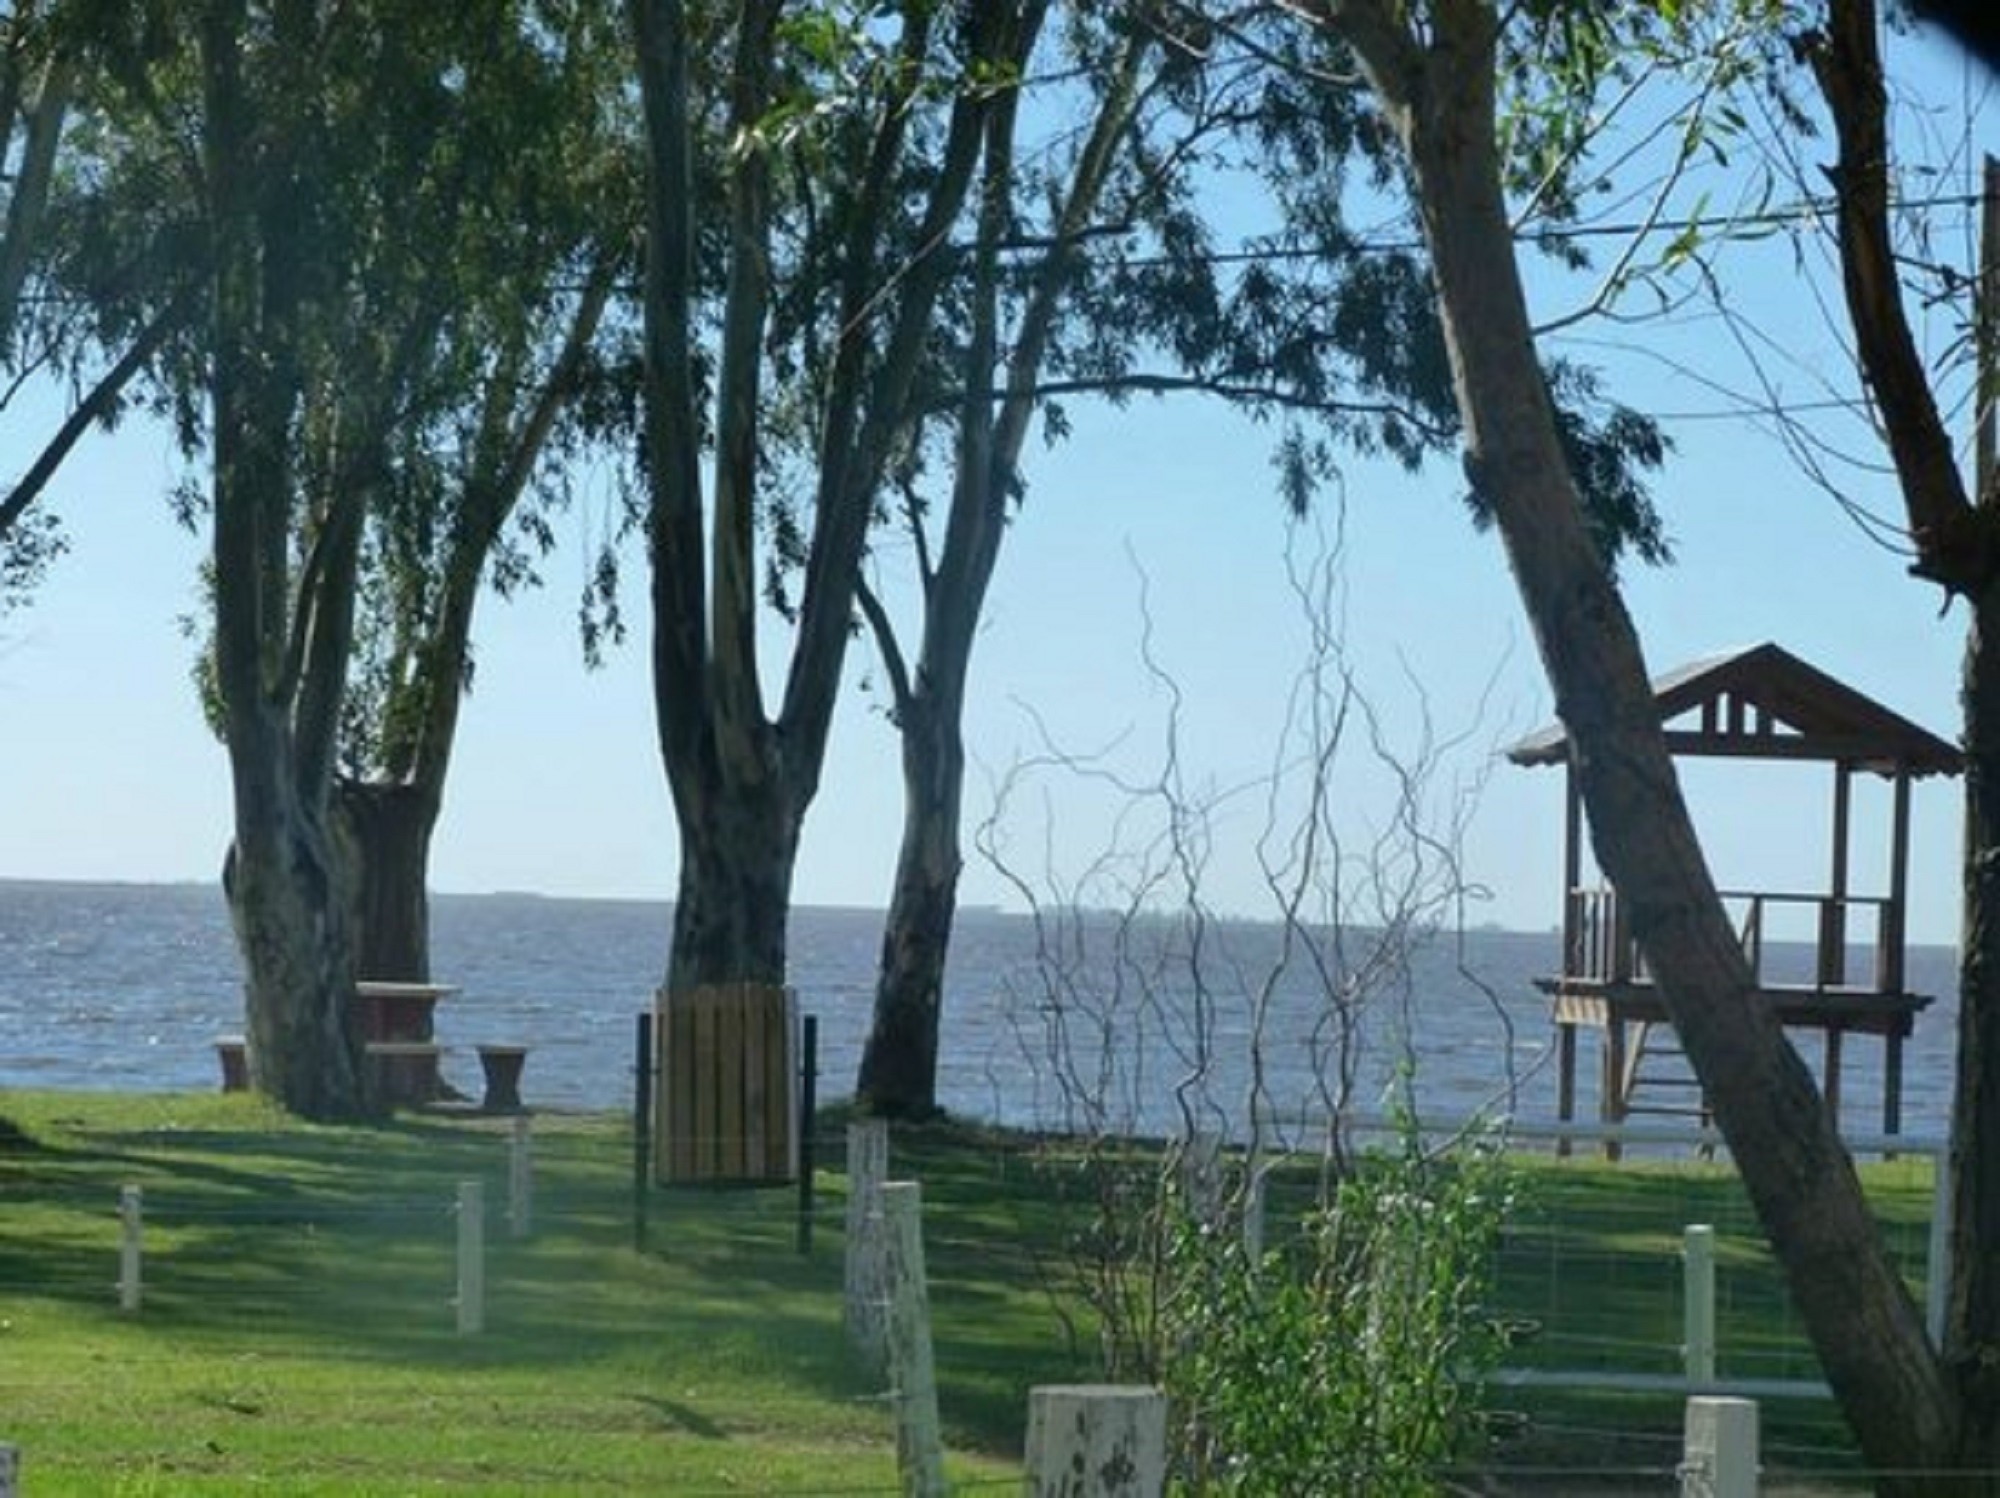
(1762, 702)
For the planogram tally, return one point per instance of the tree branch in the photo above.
(1953, 548)
(672, 433)
(849, 479)
(29, 200)
(94, 407)
(891, 651)
(1242, 392)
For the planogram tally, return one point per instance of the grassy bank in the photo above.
(298, 1335)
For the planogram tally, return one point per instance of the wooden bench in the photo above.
(502, 1065)
(406, 1071)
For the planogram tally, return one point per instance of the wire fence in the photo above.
(258, 1267)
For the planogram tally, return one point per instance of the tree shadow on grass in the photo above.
(340, 1245)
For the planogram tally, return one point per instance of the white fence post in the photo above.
(520, 1180)
(1201, 1177)
(1719, 1450)
(1698, 1303)
(10, 1471)
(867, 1264)
(1253, 1217)
(471, 1258)
(919, 1443)
(131, 1247)
(1096, 1441)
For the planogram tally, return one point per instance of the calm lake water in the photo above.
(126, 986)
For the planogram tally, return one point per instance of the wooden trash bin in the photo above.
(726, 1097)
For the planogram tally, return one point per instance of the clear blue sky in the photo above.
(107, 772)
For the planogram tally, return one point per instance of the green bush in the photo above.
(1346, 1359)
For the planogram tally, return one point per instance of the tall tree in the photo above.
(281, 632)
(1434, 71)
(742, 779)
(52, 67)
(898, 1073)
(535, 228)
(1956, 535)
(1101, 278)
(338, 153)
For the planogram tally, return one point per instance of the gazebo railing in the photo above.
(1599, 946)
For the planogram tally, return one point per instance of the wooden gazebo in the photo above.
(1755, 703)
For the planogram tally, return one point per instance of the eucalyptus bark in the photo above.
(732, 910)
(1972, 1307)
(279, 663)
(386, 829)
(1957, 538)
(898, 1075)
(742, 779)
(1438, 93)
(388, 819)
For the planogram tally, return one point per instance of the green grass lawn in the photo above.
(298, 1333)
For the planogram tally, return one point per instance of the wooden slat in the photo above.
(731, 1044)
(679, 1029)
(702, 1000)
(728, 1100)
(786, 1124)
(756, 1065)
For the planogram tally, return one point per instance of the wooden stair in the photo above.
(1658, 1081)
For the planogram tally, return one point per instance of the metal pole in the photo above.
(642, 1131)
(808, 1106)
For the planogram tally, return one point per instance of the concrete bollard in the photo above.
(131, 1248)
(1096, 1441)
(1698, 1302)
(919, 1439)
(520, 1180)
(865, 1307)
(1719, 1449)
(471, 1301)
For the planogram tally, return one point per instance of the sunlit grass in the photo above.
(298, 1333)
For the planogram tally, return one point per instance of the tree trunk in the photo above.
(284, 886)
(738, 851)
(899, 1065)
(388, 834)
(1972, 1338)
(1439, 95)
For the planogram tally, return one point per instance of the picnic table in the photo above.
(399, 1036)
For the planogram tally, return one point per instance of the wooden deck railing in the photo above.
(1599, 946)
